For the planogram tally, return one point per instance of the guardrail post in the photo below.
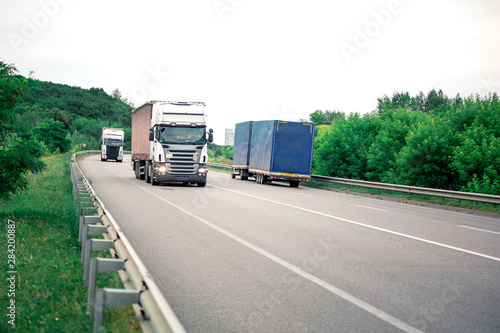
(86, 220)
(100, 265)
(110, 298)
(92, 246)
(90, 230)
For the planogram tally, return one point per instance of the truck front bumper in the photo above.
(169, 178)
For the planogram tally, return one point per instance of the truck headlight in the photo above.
(202, 170)
(162, 169)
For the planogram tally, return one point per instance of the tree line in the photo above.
(425, 140)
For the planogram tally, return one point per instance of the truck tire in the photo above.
(137, 170)
(294, 183)
(147, 173)
(201, 184)
(153, 181)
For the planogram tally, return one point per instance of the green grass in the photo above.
(50, 295)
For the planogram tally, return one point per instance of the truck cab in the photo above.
(112, 144)
(178, 154)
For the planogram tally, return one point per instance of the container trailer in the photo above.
(273, 150)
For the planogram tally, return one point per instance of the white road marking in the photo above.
(493, 232)
(382, 210)
(365, 225)
(340, 293)
(305, 195)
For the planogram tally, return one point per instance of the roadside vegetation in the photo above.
(50, 295)
(426, 140)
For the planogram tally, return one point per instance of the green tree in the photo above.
(19, 153)
(476, 159)
(53, 134)
(341, 150)
(319, 117)
(391, 138)
(424, 161)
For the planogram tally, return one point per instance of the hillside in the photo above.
(83, 112)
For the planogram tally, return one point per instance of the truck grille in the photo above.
(112, 152)
(182, 162)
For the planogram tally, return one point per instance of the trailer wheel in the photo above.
(294, 183)
(137, 169)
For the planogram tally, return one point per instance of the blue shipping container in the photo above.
(276, 147)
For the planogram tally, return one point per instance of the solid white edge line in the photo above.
(340, 293)
(365, 225)
(483, 230)
(368, 207)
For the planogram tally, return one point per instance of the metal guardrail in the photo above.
(476, 197)
(151, 308)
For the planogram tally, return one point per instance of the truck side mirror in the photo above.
(151, 135)
(210, 135)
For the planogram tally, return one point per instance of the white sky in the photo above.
(256, 59)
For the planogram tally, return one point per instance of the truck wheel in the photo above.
(294, 183)
(258, 179)
(147, 175)
(201, 184)
(153, 181)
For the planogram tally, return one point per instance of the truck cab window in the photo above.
(183, 135)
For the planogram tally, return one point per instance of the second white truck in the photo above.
(112, 144)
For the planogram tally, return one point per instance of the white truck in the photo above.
(169, 142)
(112, 144)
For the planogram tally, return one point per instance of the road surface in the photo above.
(237, 256)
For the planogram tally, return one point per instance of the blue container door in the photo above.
(293, 145)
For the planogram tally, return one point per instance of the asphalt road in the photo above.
(237, 256)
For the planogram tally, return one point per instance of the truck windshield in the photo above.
(183, 135)
(113, 142)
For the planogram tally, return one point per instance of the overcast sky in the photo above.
(256, 59)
